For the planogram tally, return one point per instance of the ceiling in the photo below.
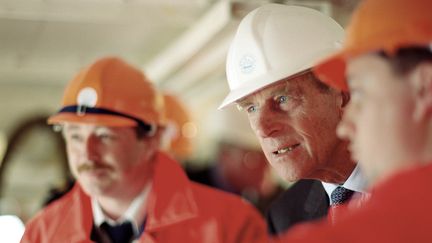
(180, 44)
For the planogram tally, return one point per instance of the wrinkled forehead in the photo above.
(291, 85)
(87, 127)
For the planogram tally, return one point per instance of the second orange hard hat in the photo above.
(178, 127)
(379, 25)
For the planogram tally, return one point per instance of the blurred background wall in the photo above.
(180, 44)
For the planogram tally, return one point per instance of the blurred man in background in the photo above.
(179, 129)
(292, 113)
(239, 164)
(127, 190)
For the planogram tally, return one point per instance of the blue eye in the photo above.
(251, 109)
(282, 99)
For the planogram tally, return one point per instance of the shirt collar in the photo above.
(355, 182)
(135, 213)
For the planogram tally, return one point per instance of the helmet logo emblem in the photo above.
(247, 64)
(338, 45)
(87, 97)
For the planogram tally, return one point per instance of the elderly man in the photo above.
(387, 65)
(127, 189)
(292, 113)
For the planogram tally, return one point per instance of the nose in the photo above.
(346, 128)
(92, 150)
(266, 123)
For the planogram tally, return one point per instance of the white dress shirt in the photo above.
(355, 182)
(135, 213)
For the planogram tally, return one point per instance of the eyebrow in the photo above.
(283, 88)
(70, 127)
(104, 129)
(286, 88)
(241, 104)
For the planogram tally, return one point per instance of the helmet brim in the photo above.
(331, 71)
(261, 82)
(95, 119)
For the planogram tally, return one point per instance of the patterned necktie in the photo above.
(120, 233)
(340, 195)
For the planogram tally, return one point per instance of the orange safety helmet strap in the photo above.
(82, 110)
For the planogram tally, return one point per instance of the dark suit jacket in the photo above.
(304, 201)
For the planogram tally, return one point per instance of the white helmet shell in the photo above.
(274, 42)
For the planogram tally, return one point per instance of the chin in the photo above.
(290, 177)
(287, 173)
(95, 189)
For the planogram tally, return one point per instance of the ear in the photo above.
(421, 81)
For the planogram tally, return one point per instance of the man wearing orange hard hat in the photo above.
(386, 63)
(127, 190)
(177, 139)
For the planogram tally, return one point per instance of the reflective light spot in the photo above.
(87, 97)
(189, 130)
(11, 228)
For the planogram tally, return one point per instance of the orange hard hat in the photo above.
(379, 25)
(110, 92)
(178, 119)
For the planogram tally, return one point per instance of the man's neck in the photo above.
(339, 167)
(339, 174)
(115, 206)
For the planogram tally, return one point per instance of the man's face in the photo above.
(107, 161)
(295, 121)
(378, 120)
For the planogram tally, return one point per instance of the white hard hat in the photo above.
(274, 42)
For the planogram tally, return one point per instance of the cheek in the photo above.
(265, 148)
(253, 122)
(73, 160)
(372, 129)
(132, 154)
(73, 154)
(117, 157)
(375, 123)
(267, 153)
(318, 128)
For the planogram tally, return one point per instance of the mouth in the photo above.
(286, 149)
(92, 168)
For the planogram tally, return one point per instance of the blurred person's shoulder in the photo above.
(64, 213)
(219, 200)
(305, 200)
